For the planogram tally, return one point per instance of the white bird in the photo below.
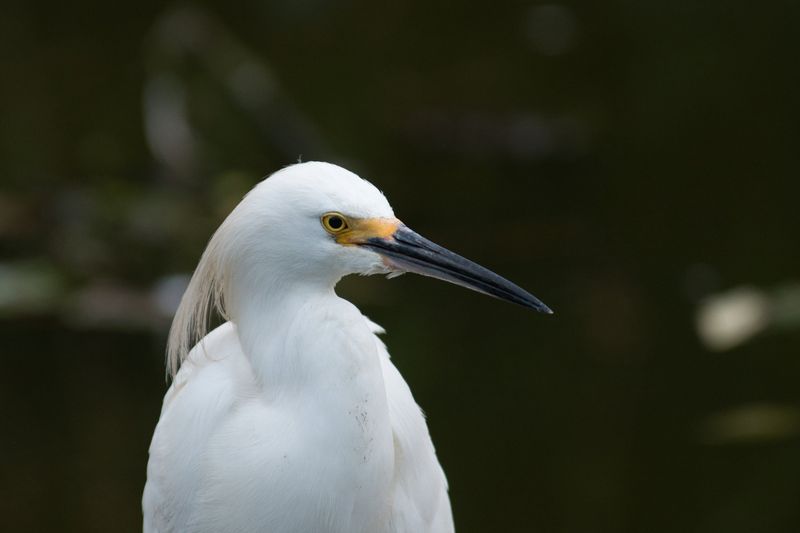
(290, 417)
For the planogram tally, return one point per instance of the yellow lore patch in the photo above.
(362, 229)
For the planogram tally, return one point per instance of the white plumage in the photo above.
(290, 417)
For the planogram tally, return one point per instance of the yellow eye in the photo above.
(334, 223)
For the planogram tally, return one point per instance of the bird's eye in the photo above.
(334, 223)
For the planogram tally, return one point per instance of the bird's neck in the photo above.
(264, 315)
(300, 337)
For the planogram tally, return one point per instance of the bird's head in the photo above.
(320, 222)
(311, 224)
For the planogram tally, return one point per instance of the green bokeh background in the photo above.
(623, 160)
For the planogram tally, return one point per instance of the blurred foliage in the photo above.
(626, 161)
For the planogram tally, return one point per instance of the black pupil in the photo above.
(335, 222)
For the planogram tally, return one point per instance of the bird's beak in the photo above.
(404, 250)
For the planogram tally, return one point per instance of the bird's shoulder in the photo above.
(216, 359)
(420, 501)
(206, 388)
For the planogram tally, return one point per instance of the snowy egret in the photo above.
(290, 417)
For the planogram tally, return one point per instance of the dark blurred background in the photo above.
(635, 164)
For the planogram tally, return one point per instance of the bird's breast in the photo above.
(327, 459)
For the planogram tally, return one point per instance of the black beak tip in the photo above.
(540, 307)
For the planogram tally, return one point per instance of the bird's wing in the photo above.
(200, 398)
(420, 500)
